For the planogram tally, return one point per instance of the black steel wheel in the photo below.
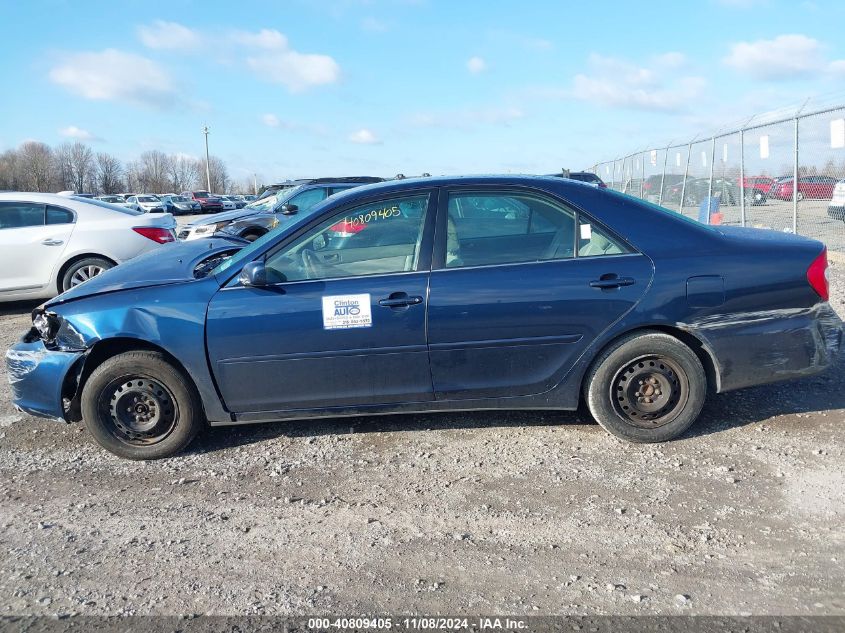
(138, 405)
(646, 387)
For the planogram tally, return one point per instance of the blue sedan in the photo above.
(432, 294)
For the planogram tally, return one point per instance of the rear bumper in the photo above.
(756, 348)
(37, 376)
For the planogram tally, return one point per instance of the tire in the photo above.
(251, 236)
(139, 406)
(83, 270)
(673, 375)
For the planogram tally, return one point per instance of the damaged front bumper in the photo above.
(38, 377)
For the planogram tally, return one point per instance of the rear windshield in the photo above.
(108, 205)
(200, 194)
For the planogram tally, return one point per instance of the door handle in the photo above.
(399, 300)
(610, 281)
(52, 242)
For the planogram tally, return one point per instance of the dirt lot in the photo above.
(461, 513)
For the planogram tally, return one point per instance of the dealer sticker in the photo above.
(342, 312)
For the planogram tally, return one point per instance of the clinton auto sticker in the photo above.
(341, 312)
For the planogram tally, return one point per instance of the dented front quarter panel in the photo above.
(762, 346)
(170, 317)
(37, 375)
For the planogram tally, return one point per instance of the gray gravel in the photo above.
(518, 513)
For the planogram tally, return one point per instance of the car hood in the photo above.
(172, 263)
(226, 216)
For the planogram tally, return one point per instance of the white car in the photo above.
(228, 204)
(146, 203)
(49, 243)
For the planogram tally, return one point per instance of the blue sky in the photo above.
(308, 88)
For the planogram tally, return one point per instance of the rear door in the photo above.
(33, 237)
(521, 285)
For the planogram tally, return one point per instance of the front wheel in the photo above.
(646, 387)
(139, 406)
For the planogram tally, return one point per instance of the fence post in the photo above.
(642, 175)
(710, 184)
(663, 177)
(684, 184)
(742, 176)
(795, 184)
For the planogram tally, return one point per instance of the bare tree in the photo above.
(156, 171)
(75, 165)
(184, 172)
(109, 173)
(35, 161)
(134, 177)
(10, 170)
(220, 180)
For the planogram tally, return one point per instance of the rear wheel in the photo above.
(83, 270)
(647, 387)
(139, 406)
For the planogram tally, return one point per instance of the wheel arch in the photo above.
(698, 346)
(102, 351)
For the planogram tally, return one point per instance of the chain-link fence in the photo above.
(785, 173)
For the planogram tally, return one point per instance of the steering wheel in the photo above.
(311, 263)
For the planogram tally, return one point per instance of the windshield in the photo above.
(108, 205)
(147, 199)
(200, 194)
(269, 204)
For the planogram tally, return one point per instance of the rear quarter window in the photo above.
(57, 215)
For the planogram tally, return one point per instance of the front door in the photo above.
(522, 285)
(342, 322)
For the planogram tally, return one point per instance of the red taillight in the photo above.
(155, 233)
(817, 275)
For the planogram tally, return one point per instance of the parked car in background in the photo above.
(289, 184)
(583, 176)
(503, 292)
(179, 205)
(817, 187)
(240, 201)
(50, 243)
(208, 203)
(261, 216)
(112, 198)
(148, 203)
(228, 203)
(249, 198)
(760, 183)
(836, 208)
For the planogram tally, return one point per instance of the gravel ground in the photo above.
(468, 513)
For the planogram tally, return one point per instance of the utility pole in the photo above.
(255, 183)
(207, 166)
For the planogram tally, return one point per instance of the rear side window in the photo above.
(595, 242)
(55, 215)
(504, 228)
(18, 215)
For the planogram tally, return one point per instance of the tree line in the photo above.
(35, 166)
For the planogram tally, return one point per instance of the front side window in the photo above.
(377, 238)
(505, 228)
(18, 215)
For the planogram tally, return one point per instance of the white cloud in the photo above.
(364, 137)
(270, 120)
(476, 65)
(161, 35)
(269, 39)
(374, 25)
(296, 71)
(784, 57)
(113, 75)
(71, 131)
(619, 83)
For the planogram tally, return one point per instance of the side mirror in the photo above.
(289, 209)
(253, 275)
